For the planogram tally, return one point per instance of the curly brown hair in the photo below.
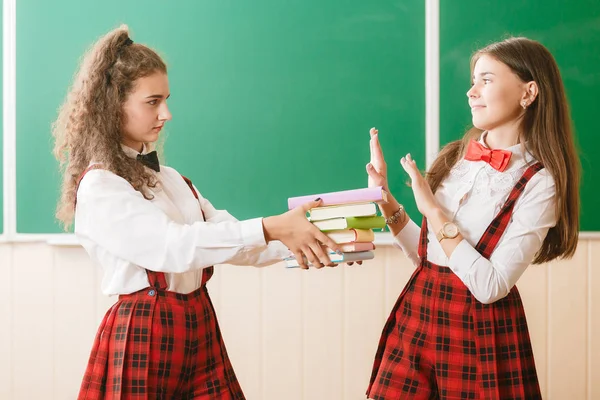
(88, 127)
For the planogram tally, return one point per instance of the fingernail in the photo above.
(370, 166)
(318, 199)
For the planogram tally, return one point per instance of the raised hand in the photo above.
(426, 201)
(376, 168)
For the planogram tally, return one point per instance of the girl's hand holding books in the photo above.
(304, 239)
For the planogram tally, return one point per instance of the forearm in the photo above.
(263, 256)
(388, 209)
(435, 221)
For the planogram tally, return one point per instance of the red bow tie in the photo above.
(498, 159)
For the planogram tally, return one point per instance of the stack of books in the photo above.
(348, 217)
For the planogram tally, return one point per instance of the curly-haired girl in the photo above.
(153, 234)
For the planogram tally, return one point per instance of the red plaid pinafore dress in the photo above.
(156, 344)
(441, 343)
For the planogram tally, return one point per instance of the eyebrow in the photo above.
(485, 73)
(157, 96)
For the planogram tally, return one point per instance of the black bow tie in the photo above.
(150, 160)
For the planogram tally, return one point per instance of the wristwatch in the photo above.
(449, 231)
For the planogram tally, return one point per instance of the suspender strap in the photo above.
(85, 171)
(490, 238)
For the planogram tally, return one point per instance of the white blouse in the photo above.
(126, 234)
(471, 196)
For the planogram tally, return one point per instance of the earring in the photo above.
(524, 104)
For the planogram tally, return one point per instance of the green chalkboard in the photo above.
(570, 30)
(270, 99)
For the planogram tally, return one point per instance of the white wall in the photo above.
(291, 334)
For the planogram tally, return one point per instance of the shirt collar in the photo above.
(519, 151)
(132, 153)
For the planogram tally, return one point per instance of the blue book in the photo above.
(337, 258)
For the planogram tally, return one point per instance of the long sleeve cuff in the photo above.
(408, 241)
(253, 234)
(462, 259)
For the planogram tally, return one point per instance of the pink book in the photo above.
(374, 194)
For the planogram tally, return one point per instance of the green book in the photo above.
(350, 223)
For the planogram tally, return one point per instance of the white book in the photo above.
(349, 210)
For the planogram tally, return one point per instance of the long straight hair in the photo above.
(546, 127)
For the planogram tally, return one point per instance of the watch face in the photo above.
(451, 230)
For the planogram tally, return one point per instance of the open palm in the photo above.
(426, 201)
(377, 168)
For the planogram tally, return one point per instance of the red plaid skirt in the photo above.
(156, 344)
(440, 342)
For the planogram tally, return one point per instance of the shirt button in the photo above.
(151, 292)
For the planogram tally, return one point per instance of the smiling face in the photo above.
(497, 95)
(145, 110)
